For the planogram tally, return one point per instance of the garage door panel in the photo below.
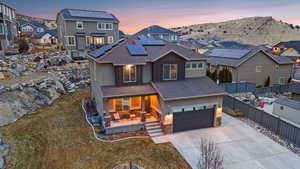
(193, 120)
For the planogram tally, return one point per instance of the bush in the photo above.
(214, 76)
(23, 46)
(290, 80)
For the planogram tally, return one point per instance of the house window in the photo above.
(194, 66)
(2, 28)
(259, 69)
(110, 39)
(281, 108)
(122, 104)
(129, 73)
(169, 71)
(98, 40)
(71, 40)
(105, 26)
(281, 80)
(89, 40)
(79, 25)
(277, 67)
(40, 30)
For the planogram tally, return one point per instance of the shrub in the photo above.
(290, 80)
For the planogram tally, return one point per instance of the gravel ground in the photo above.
(272, 135)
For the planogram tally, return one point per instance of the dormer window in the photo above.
(169, 71)
(129, 73)
(79, 25)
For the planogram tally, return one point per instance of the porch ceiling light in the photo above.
(128, 66)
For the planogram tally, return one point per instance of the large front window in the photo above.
(129, 73)
(71, 40)
(98, 40)
(89, 40)
(169, 71)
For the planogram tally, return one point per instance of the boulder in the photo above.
(37, 96)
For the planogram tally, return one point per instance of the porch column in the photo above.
(106, 115)
(143, 112)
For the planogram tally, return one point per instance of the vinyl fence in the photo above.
(280, 127)
(251, 87)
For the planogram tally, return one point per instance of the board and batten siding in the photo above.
(171, 58)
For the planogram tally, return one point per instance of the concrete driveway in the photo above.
(242, 147)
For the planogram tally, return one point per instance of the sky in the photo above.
(137, 14)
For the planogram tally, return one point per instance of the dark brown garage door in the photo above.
(189, 120)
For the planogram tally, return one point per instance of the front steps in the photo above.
(153, 129)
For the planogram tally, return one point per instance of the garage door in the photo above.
(189, 120)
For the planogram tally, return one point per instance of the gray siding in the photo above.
(196, 73)
(247, 71)
(68, 28)
(147, 73)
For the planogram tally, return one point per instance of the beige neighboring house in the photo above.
(142, 81)
(252, 65)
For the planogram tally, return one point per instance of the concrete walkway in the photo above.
(242, 146)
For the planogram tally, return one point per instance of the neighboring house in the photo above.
(296, 92)
(77, 29)
(47, 37)
(234, 45)
(252, 65)
(159, 32)
(122, 35)
(8, 26)
(287, 109)
(142, 80)
(290, 49)
(32, 28)
(193, 45)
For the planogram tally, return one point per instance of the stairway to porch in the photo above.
(153, 128)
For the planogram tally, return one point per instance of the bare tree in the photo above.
(211, 156)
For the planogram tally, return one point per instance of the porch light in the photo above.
(169, 119)
(219, 112)
(128, 66)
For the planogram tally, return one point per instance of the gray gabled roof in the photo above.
(87, 15)
(237, 61)
(155, 29)
(119, 55)
(288, 102)
(188, 88)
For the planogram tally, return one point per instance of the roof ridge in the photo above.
(88, 10)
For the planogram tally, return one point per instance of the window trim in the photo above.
(170, 71)
(94, 40)
(86, 40)
(135, 74)
(190, 67)
(258, 71)
(68, 42)
(112, 39)
(104, 27)
(78, 23)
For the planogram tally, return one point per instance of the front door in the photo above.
(80, 42)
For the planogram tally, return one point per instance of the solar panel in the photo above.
(90, 14)
(229, 53)
(136, 50)
(99, 52)
(149, 41)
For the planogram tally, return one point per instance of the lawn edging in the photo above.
(94, 132)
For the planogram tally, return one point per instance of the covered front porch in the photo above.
(127, 108)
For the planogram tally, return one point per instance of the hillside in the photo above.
(48, 22)
(253, 30)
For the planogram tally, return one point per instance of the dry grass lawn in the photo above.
(58, 137)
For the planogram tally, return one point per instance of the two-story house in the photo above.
(252, 65)
(8, 26)
(77, 29)
(32, 28)
(159, 32)
(144, 80)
